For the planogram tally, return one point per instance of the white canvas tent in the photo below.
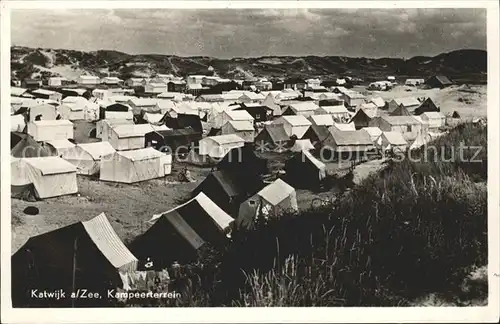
(60, 146)
(44, 111)
(86, 157)
(294, 125)
(301, 145)
(104, 126)
(131, 137)
(242, 128)
(135, 165)
(51, 176)
(71, 111)
(49, 130)
(219, 146)
(272, 201)
(17, 123)
(393, 141)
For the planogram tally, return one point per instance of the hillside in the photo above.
(457, 64)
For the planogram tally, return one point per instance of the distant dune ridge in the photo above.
(60, 62)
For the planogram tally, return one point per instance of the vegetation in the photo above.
(414, 230)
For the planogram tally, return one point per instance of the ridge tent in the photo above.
(131, 137)
(273, 137)
(224, 189)
(271, 201)
(173, 140)
(72, 110)
(301, 145)
(51, 176)
(207, 219)
(219, 146)
(135, 165)
(24, 146)
(86, 157)
(243, 129)
(374, 133)
(17, 123)
(43, 112)
(294, 125)
(179, 241)
(45, 262)
(243, 160)
(348, 142)
(48, 130)
(393, 141)
(303, 170)
(183, 121)
(116, 111)
(103, 127)
(59, 147)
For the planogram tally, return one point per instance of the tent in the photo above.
(86, 157)
(173, 140)
(103, 127)
(272, 138)
(24, 146)
(182, 121)
(169, 239)
(301, 145)
(42, 112)
(135, 165)
(349, 143)
(72, 111)
(116, 111)
(131, 137)
(219, 146)
(303, 170)
(273, 200)
(48, 130)
(243, 161)
(46, 262)
(243, 129)
(17, 123)
(59, 147)
(294, 125)
(393, 141)
(374, 133)
(51, 176)
(152, 118)
(207, 219)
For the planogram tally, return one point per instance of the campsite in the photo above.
(248, 181)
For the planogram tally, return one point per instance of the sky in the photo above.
(226, 33)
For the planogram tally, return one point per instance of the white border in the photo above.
(264, 315)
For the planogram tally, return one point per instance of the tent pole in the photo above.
(75, 246)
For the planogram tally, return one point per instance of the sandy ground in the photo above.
(447, 99)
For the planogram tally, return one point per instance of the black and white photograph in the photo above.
(273, 156)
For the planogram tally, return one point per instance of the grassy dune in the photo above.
(414, 230)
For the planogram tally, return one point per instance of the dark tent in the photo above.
(399, 111)
(183, 121)
(113, 107)
(260, 113)
(455, 114)
(304, 171)
(227, 190)
(360, 119)
(273, 138)
(427, 106)
(438, 81)
(244, 162)
(46, 263)
(174, 140)
(207, 219)
(316, 134)
(214, 132)
(169, 239)
(24, 146)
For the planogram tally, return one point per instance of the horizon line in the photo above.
(252, 57)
